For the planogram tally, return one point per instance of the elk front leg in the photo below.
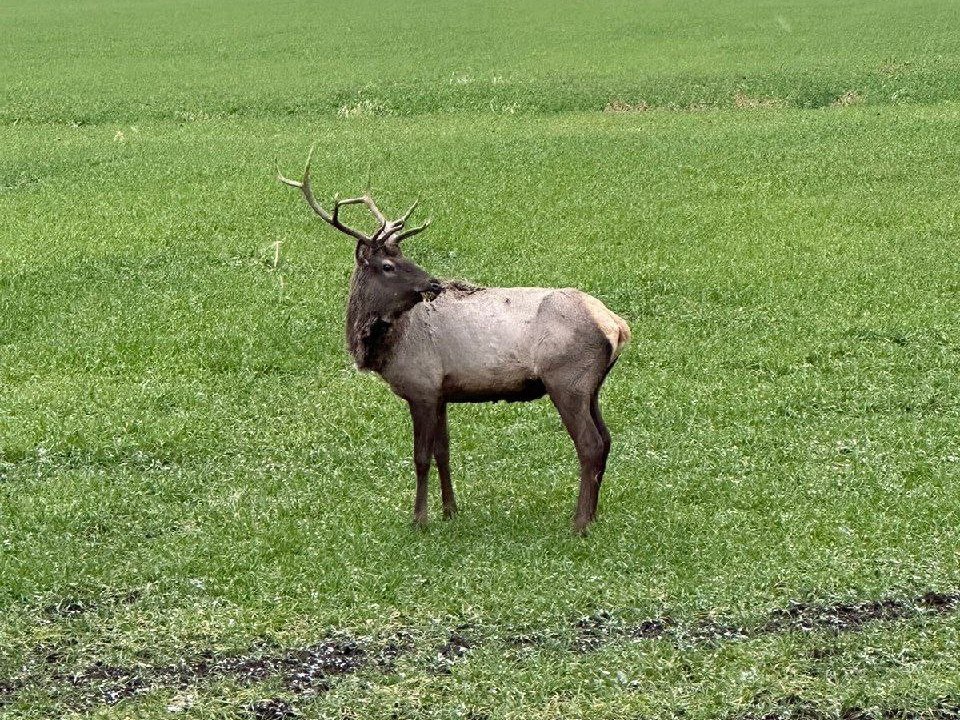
(424, 440)
(441, 453)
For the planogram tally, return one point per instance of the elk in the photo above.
(437, 342)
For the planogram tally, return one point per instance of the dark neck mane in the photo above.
(371, 335)
(371, 338)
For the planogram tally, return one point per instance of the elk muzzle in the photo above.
(433, 288)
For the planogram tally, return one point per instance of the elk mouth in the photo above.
(432, 291)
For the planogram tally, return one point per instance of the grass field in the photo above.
(205, 512)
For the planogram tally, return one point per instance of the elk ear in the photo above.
(363, 253)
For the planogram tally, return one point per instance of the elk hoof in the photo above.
(449, 511)
(580, 526)
(420, 522)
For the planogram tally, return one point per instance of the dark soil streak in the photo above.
(795, 708)
(842, 617)
(602, 628)
(303, 672)
(9, 690)
(455, 648)
(272, 709)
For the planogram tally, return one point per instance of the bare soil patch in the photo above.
(621, 106)
(599, 629)
(455, 648)
(8, 690)
(301, 671)
(850, 97)
(842, 617)
(748, 102)
(793, 707)
(273, 709)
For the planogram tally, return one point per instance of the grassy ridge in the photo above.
(102, 61)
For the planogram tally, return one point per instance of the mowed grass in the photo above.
(189, 464)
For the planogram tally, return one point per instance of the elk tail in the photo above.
(623, 337)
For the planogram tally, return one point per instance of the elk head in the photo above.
(385, 284)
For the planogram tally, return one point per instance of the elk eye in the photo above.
(388, 267)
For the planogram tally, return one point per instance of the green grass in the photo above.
(187, 455)
(101, 61)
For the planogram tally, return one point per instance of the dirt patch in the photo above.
(621, 106)
(530, 639)
(712, 631)
(304, 672)
(455, 648)
(850, 97)
(596, 630)
(9, 690)
(894, 69)
(272, 709)
(18, 182)
(400, 643)
(111, 683)
(68, 608)
(743, 101)
(602, 628)
(945, 710)
(793, 707)
(840, 617)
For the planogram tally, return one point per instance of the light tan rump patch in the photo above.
(614, 327)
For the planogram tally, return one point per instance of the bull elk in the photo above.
(438, 341)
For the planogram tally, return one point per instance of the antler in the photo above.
(390, 231)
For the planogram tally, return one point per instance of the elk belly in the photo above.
(520, 391)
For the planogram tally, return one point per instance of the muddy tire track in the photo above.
(307, 672)
(792, 707)
(595, 631)
(303, 672)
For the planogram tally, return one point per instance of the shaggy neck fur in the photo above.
(371, 334)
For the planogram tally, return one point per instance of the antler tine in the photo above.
(368, 200)
(338, 203)
(412, 231)
(306, 172)
(391, 233)
(371, 206)
(304, 187)
(408, 213)
(286, 180)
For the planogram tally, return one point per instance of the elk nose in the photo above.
(435, 286)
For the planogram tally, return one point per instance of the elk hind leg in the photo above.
(574, 409)
(605, 438)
